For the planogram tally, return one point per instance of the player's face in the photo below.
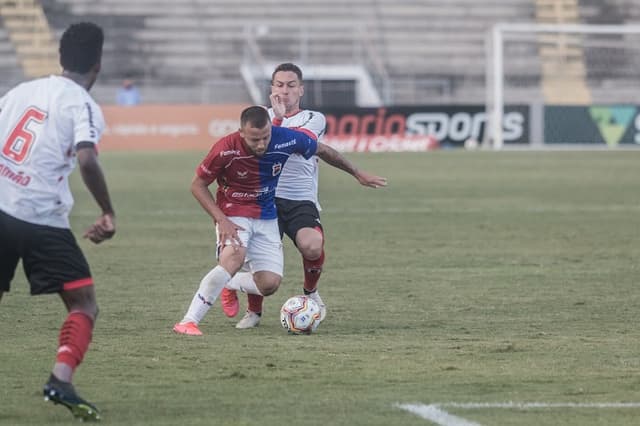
(257, 139)
(286, 85)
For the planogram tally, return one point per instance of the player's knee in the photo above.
(310, 243)
(268, 283)
(270, 290)
(81, 300)
(310, 249)
(90, 310)
(232, 260)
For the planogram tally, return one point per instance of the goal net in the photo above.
(579, 84)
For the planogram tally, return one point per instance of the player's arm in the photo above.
(104, 227)
(337, 160)
(227, 230)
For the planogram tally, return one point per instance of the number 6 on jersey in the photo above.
(21, 137)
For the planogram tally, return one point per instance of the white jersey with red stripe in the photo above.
(41, 121)
(299, 179)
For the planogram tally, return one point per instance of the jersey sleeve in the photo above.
(88, 122)
(305, 145)
(316, 124)
(215, 161)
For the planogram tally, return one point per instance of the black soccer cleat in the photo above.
(60, 392)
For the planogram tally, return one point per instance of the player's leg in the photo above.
(8, 264)
(266, 259)
(301, 223)
(53, 263)
(254, 300)
(77, 330)
(245, 283)
(267, 282)
(310, 243)
(230, 260)
(73, 343)
(9, 256)
(210, 287)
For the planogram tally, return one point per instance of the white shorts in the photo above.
(262, 240)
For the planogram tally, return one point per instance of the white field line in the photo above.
(531, 405)
(613, 208)
(436, 414)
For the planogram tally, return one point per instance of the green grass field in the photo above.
(474, 277)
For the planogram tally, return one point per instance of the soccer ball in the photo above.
(471, 144)
(300, 315)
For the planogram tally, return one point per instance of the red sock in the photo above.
(75, 336)
(312, 271)
(255, 302)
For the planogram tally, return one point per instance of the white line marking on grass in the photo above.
(436, 415)
(532, 405)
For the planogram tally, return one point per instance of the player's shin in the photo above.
(209, 290)
(74, 339)
(254, 303)
(312, 271)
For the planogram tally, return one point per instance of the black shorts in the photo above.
(294, 215)
(51, 257)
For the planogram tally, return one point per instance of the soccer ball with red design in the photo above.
(300, 315)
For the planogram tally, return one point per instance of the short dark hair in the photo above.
(287, 66)
(255, 116)
(81, 47)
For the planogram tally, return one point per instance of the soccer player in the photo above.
(296, 196)
(246, 165)
(46, 125)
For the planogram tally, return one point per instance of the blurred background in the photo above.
(421, 56)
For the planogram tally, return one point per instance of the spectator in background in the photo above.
(128, 94)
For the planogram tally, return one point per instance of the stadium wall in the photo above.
(405, 128)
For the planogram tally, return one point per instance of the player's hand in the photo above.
(228, 233)
(279, 108)
(372, 181)
(102, 229)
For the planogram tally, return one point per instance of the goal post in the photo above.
(552, 65)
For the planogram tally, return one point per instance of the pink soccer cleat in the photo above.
(188, 328)
(229, 302)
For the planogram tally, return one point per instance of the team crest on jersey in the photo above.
(242, 174)
(276, 169)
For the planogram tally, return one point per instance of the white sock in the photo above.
(244, 282)
(209, 290)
